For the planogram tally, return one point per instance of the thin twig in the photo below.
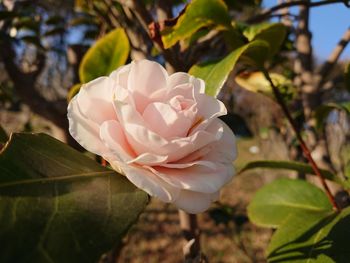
(266, 14)
(303, 146)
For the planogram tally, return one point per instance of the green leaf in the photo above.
(3, 136)
(272, 204)
(108, 53)
(198, 14)
(234, 37)
(293, 166)
(309, 238)
(58, 205)
(273, 33)
(215, 73)
(323, 111)
(256, 82)
(347, 77)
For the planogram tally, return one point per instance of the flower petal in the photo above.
(83, 130)
(185, 90)
(150, 183)
(140, 137)
(145, 78)
(180, 78)
(198, 177)
(180, 148)
(121, 75)
(194, 202)
(95, 100)
(209, 108)
(149, 159)
(225, 150)
(112, 134)
(165, 121)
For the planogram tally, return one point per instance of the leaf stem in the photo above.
(303, 145)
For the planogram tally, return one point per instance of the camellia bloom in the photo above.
(162, 132)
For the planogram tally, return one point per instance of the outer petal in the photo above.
(95, 100)
(198, 177)
(121, 75)
(149, 159)
(224, 150)
(209, 108)
(84, 131)
(194, 202)
(145, 78)
(150, 183)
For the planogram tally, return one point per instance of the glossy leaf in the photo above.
(275, 202)
(57, 205)
(293, 166)
(215, 73)
(273, 33)
(198, 14)
(309, 238)
(234, 37)
(256, 82)
(107, 54)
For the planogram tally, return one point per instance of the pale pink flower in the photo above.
(162, 132)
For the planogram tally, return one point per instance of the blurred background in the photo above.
(42, 43)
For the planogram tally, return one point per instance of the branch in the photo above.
(24, 84)
(284, 14)
(333, 57)
(146, 20)
(190, 232)
(266, 14)
(303, 146)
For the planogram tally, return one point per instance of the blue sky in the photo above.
(328, 23)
